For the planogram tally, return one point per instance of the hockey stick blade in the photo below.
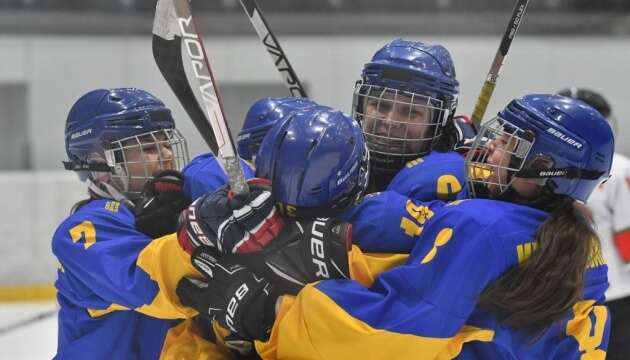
(167, 53)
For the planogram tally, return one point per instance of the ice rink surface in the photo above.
(28, 330)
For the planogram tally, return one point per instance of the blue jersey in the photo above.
(427, 307)
(436, 176)
(116, 288)
(204, 174)
(391, 220)
(388, 222)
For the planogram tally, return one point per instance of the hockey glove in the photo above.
(465, 132)
(161, 202)
(232, 225)
(303, 252)
(233, 296)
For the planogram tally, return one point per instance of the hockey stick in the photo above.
(167, 53)
(28, 321)
(274, 49)
(174, 21)
(499, 59)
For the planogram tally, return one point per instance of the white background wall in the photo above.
(57, 70)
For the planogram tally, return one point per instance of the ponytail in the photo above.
(541, 289)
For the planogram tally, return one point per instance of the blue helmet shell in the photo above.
(571, 133)
(316, 158)
(417, 67)
(261, 117)
(102, 116)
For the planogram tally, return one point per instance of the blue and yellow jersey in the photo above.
(116, 287)
(204, 174)
(388, 222)
(426, 308)
(436, 176)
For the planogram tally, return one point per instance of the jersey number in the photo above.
(587, 327)
(418, 212)
(448, 187)
(84, 230)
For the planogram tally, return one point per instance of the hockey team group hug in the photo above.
(403, 230)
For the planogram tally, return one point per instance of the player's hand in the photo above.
(232, 225)
(161, 202)
(465, 132)
(303, 252)
(233, 295)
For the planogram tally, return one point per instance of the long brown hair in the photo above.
(541, 289)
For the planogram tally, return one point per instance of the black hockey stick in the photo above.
(273, 47)
(174, 21)
(499, 59)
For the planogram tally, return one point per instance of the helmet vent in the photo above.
(160, 116)
(311, 149)
(599, 156)
(115, 98)
(397, 74)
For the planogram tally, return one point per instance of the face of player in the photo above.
(397, 124)
(146, 156)
(499, 159)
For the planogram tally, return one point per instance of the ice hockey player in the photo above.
(116, 284)
(405, 102)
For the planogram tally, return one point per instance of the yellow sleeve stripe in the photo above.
(466, 334)
(94, 313)
(313, 326)
(364, 267)
(166, 263)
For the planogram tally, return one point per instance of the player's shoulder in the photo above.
(500, 215)
(436, 158)
(99, 212)
(428, 177)
(201, 161)
(208, 164)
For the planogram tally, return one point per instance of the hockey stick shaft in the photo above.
(206, 89)
(273, 47)
(28, 321)
(499, 59)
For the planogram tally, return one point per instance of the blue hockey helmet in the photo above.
(104, 127)
(558, 142)
(407, 94)
(591, 97)
(261, 117)
(317, 161)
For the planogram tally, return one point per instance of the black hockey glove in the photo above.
(303, 252)
(232, 225)
(233, 296)
(161, 202)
